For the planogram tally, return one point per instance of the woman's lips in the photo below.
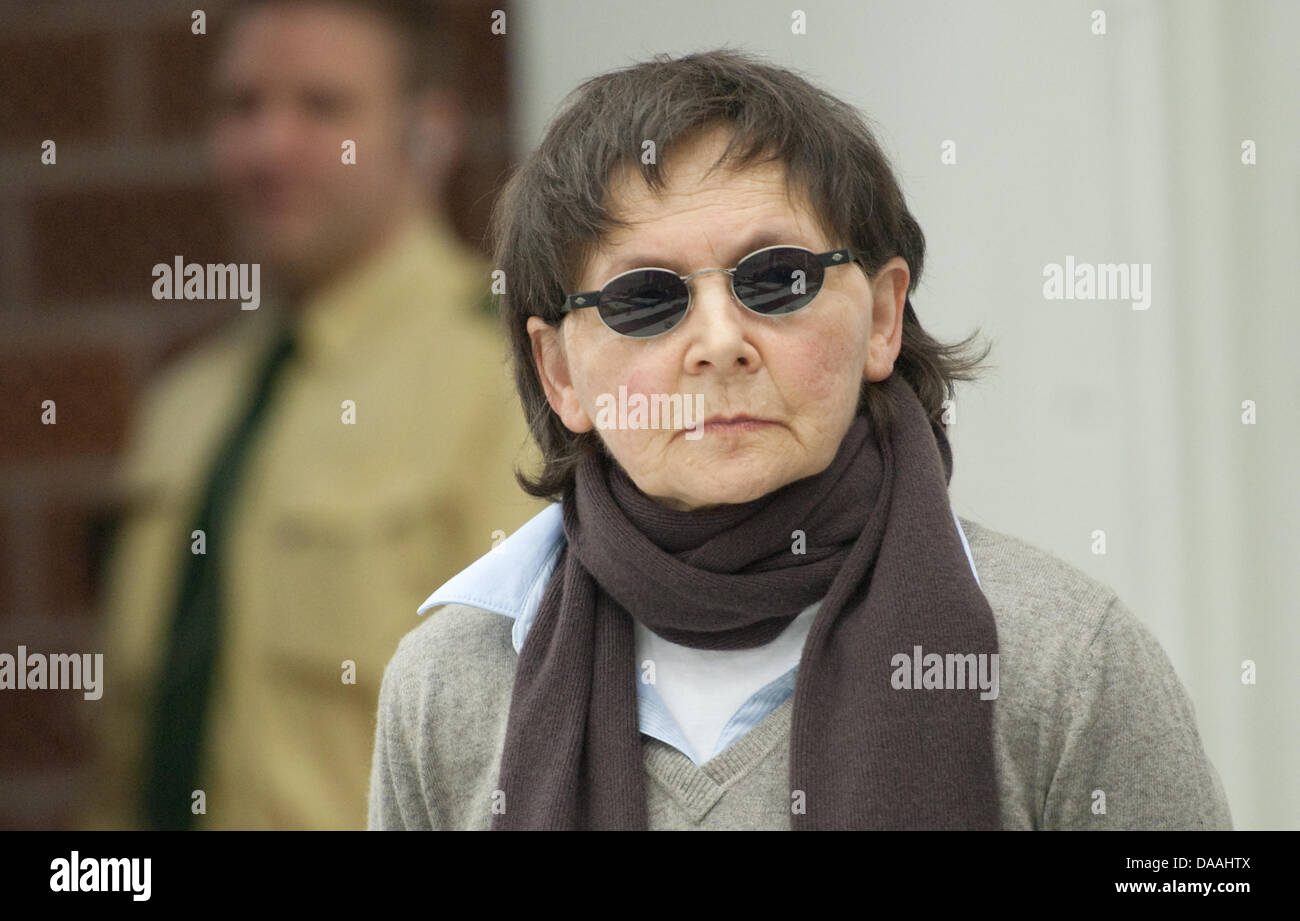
(735, 424)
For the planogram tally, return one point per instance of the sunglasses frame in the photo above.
(586, 299)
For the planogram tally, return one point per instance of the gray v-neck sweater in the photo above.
(1091, 730)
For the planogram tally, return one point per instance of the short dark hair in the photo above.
(429, 51)
(555, 209)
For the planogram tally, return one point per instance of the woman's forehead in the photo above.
(697, 241)
(707, 211)
(728, 201)
(690, 175)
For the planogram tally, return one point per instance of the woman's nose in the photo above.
(717, 324)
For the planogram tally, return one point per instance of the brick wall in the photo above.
(114, 85)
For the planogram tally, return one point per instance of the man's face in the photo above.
(294, 82)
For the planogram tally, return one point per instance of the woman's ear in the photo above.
(557, 380)
(888, 289)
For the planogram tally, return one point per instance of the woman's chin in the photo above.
(745, 487)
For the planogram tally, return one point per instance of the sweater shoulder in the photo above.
(453, 672)
(443, 706)
(1033, 591)
(1048, 613)
(458, 649)
(1089, 704)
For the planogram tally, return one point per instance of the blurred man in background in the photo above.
(295, 489)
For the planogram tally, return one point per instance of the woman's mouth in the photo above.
(725, 425)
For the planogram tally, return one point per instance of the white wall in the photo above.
(1123, 147)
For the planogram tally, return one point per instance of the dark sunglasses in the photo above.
(773, 281)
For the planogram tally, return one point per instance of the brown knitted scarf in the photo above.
(881, 550)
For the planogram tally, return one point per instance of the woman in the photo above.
(772, 619)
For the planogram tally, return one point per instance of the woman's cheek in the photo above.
(820, 371)
(644, 382)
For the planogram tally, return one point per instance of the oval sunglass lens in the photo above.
(643, 303)
(778, 280)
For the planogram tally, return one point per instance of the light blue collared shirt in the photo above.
(510, 580)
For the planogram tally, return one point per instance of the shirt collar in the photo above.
(511, 577)
(423, 255)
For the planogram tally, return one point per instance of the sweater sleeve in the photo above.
(1131, 757)
(396, 800)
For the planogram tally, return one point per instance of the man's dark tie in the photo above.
(189, 666)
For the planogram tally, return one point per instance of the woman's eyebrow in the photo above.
(755, 241)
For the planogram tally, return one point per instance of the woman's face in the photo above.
(799, 374)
